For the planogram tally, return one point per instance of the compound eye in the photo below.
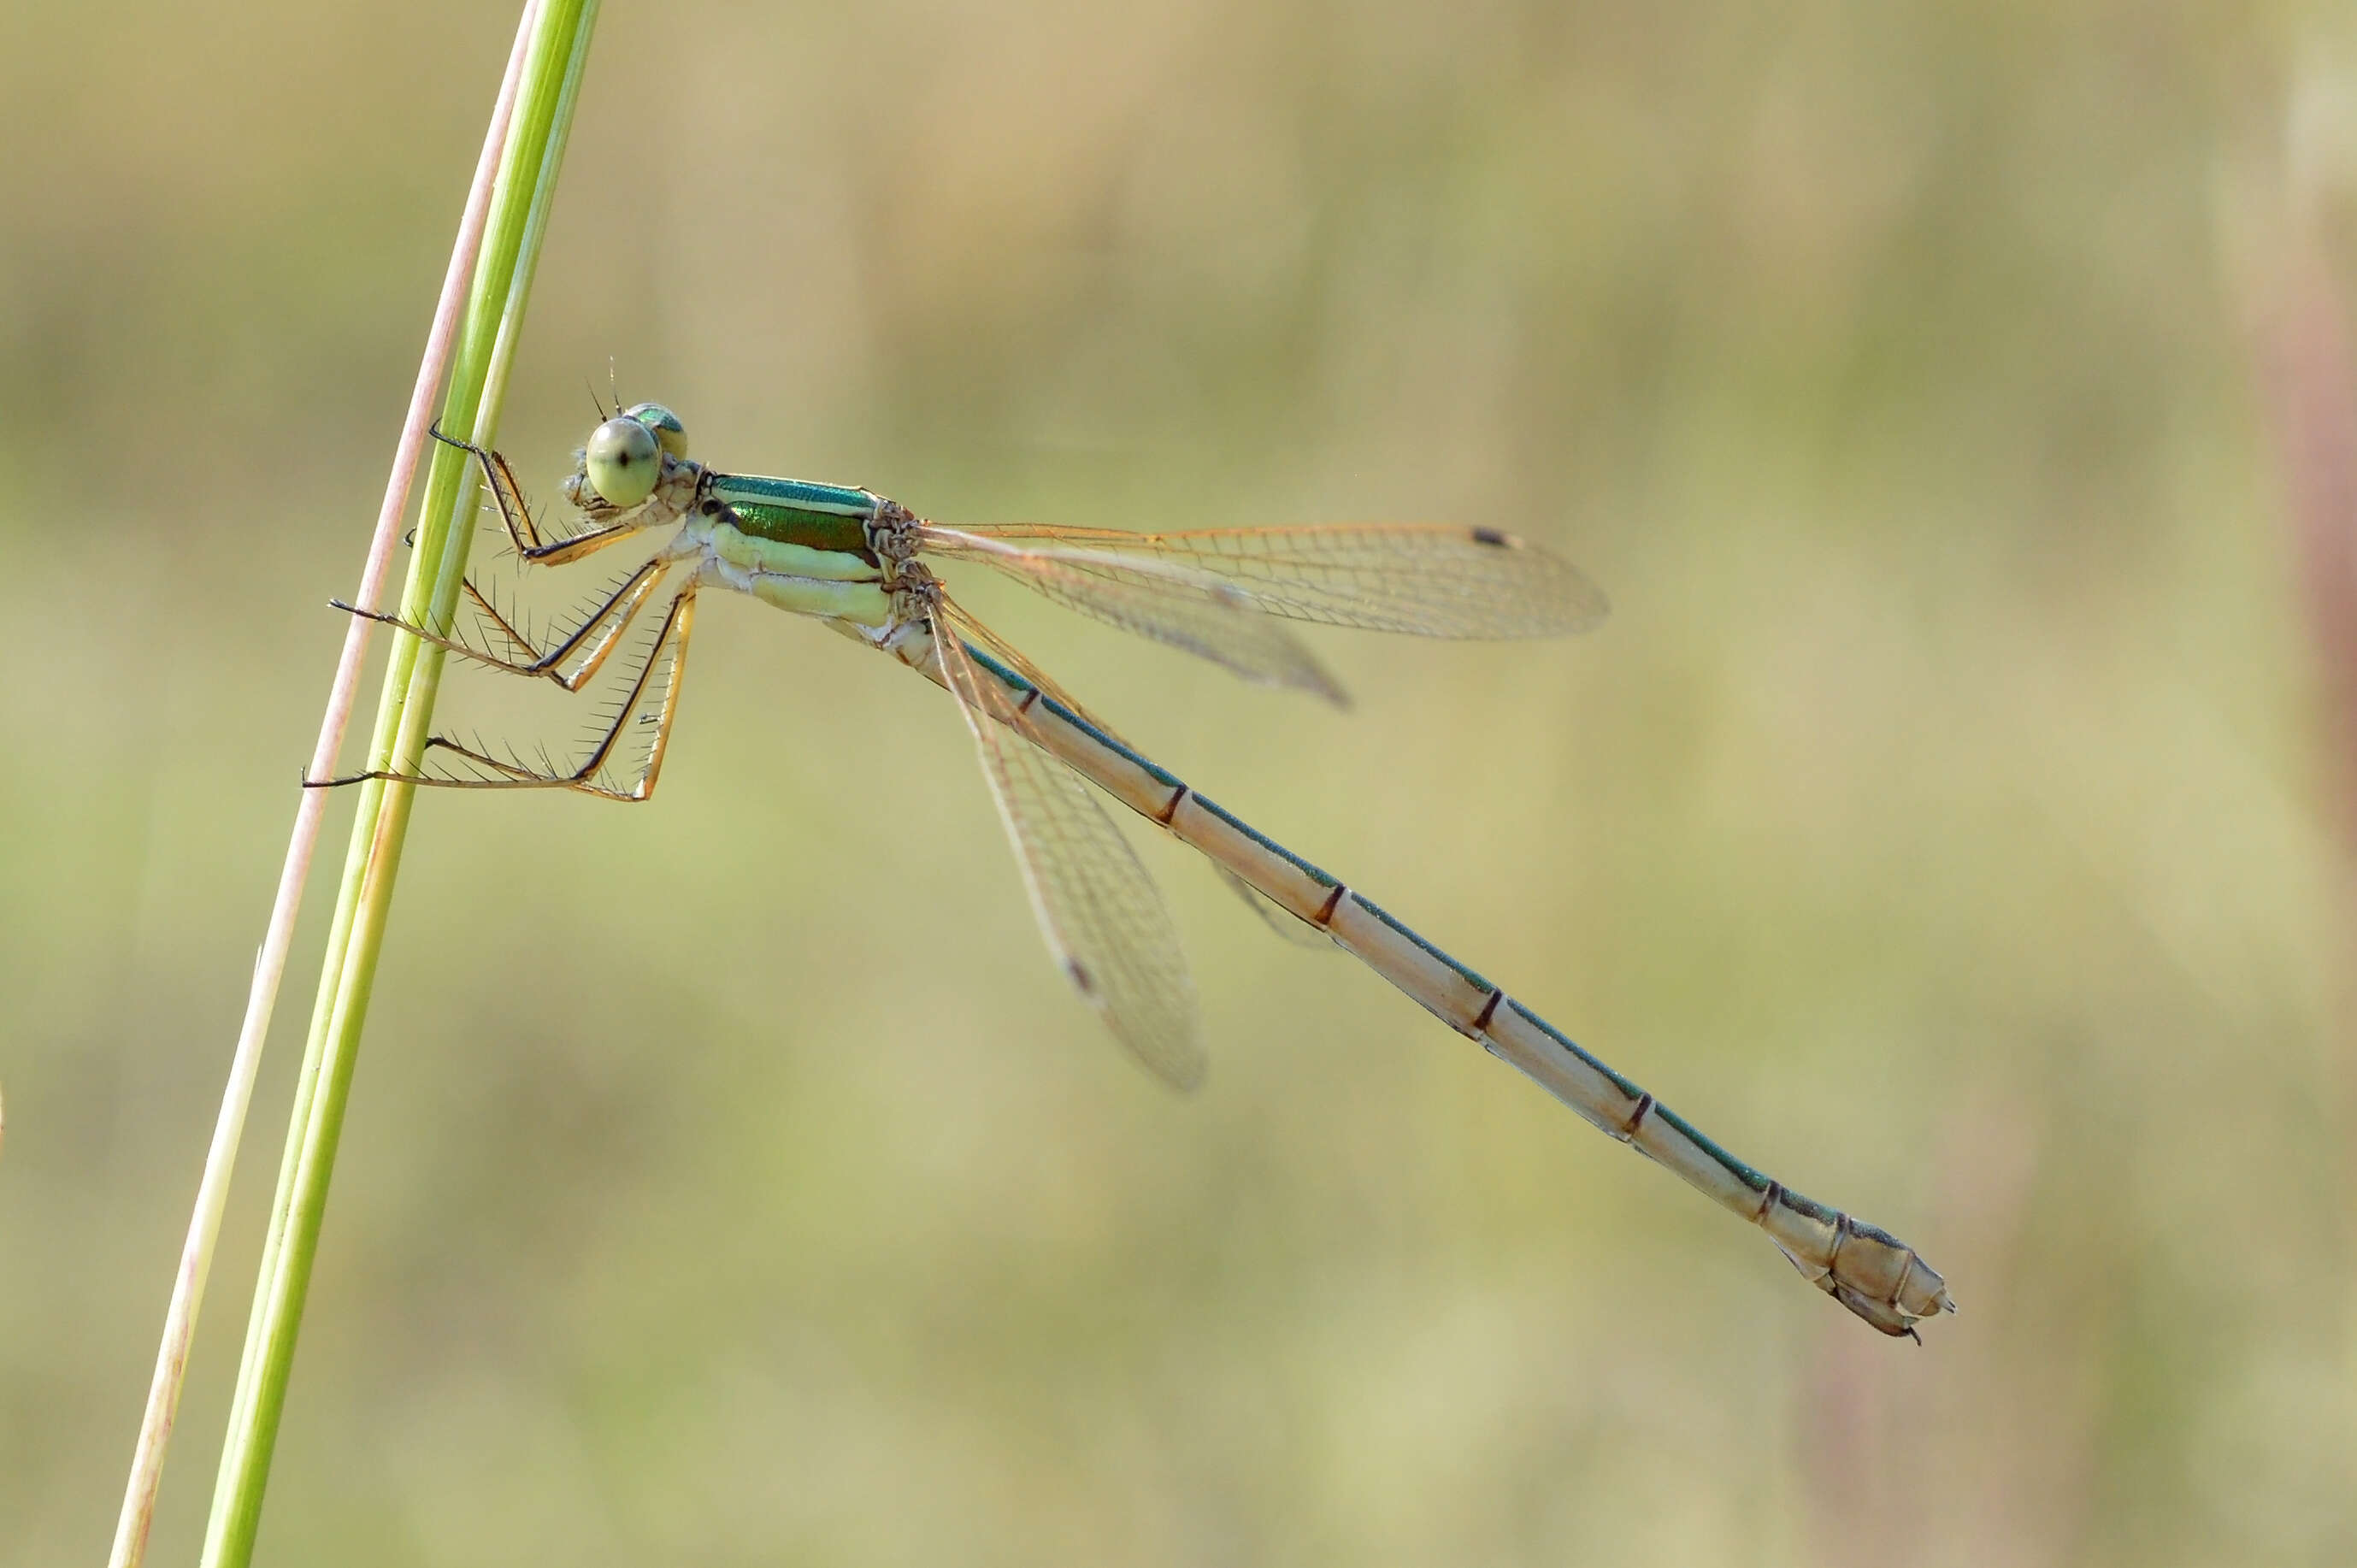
(663, 423)
(622, 462)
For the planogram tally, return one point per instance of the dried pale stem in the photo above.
(270, 964)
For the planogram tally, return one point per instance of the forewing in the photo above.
(1425, 579)
(1103, 920)
(1168, 600)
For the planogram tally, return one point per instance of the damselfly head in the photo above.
(624, 459)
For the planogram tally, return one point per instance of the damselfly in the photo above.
(863, 565)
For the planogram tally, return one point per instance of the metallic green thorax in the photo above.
(794, 512)
(802, 547)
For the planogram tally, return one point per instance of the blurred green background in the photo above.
(1945, 819)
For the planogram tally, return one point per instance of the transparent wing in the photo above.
(1102, 918)
(1169, 600)
(1425, 579)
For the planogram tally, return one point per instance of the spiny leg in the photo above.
(615, 614)
(645, 711)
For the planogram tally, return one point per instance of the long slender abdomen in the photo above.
(1867, 1270)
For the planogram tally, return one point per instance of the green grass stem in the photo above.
(553, 61)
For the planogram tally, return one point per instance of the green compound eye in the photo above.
(622, 462)
(663, 423)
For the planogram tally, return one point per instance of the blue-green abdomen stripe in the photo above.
(1756, 1180)
(753, 490)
